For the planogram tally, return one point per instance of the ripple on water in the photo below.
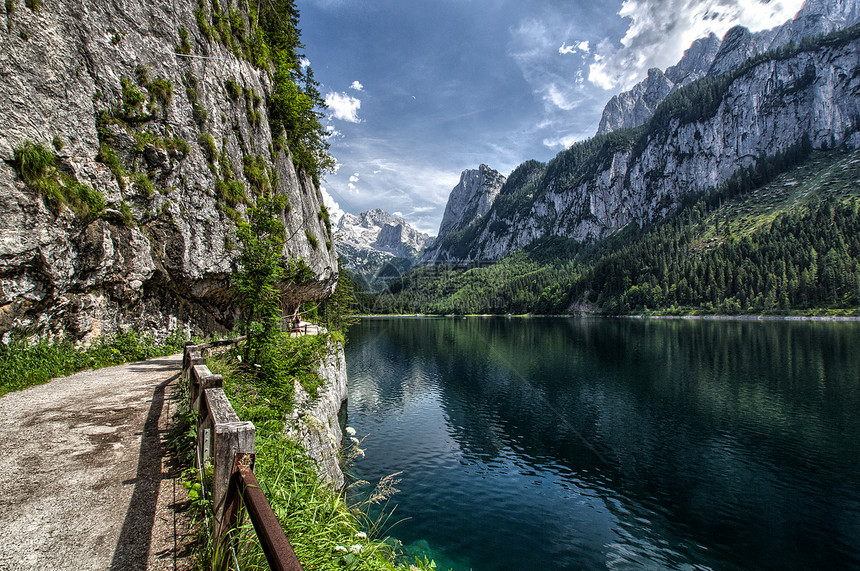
(619, 445)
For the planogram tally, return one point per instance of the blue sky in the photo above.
(419, 90)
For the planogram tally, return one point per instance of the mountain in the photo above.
(469, 200)
(633, 108)
(376, 241)
(126, 159)
(711, 56)
(699, 136)
(782, 237)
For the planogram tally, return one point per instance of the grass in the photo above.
(36, 166)
(325, 532)
(826, 173)
(24, 363)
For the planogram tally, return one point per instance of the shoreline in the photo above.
(823, 318)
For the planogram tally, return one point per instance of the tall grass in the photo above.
(324, 531)
(24, 363)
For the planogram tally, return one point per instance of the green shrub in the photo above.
(31, 161)
(312, 239)
(24, 363)
(161, 90)
(144, 183)
(108, 157)
(58, 143)
(232, 193)
(36, 166)
(184, 46)
(132, 97)
(207, 145)
(233, 89)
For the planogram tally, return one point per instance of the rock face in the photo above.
(594, 189)
(371, 240)
(469, 200)
(99, 80)
(696, 61)
(711, 56)
(633, 108)
(315, 422)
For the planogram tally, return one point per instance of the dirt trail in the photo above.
(84, 482)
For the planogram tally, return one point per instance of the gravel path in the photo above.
(84, 481)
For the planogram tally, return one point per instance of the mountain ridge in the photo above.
(698, 137)
(371, 240)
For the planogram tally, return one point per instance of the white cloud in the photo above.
(560, 97)
(576, 47)
(335, 212)
(354, 178)
(305, 62)
(562, 142)
(660, 30)
(352, 188)
(357, 86)
(343, 106)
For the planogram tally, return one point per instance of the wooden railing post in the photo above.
(229, 442)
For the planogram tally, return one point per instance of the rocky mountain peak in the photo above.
(370, 239)
(739, 44)
(696, 61)
(712, 56)
(469, 200)
(632, 108)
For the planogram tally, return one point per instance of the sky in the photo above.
(420, 90)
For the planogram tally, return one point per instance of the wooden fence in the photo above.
(229, 443)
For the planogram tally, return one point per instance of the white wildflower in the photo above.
(359, 452)
(350, 430)
(341, 549)
(355, 548)
(354, 440)
(361, 535)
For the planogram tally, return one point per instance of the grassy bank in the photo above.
(24, 363)
(325, 532)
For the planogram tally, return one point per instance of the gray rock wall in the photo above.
(764, 111)
(315, 424)
(168, 264)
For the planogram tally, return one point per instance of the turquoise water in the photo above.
(622, 444)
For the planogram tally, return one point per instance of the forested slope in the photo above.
(774, 238)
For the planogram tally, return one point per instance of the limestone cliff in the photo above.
(711, 56)
(315, 423)
(170, 129)
(704, 134)
(469, 200)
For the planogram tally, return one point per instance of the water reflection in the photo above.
(615, 443)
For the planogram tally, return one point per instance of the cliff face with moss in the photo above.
(134, 135)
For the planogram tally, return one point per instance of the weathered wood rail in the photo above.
(229, 442)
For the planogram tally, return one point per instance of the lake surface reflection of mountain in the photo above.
(625, 444)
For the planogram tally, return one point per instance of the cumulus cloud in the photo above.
(576, 47)
(357, 86)
(660, 30)
(334, 210)
(354, 177)
(342, 106)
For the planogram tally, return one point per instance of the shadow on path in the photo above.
(132, 549)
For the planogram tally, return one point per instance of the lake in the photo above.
(621, 444)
